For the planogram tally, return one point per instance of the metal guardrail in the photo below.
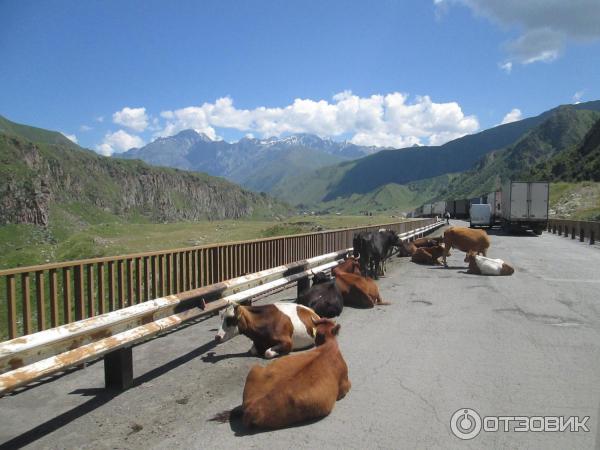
(45, 296)
(582, 229)
(29, 358)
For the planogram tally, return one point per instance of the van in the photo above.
(480, 215)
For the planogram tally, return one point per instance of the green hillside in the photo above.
(366, 175)
(52, 191)
(575, 163)
(34, 134)
(392, 198)
(562, 130)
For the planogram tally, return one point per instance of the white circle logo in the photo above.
(465, 423)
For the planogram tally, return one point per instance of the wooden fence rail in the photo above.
(46, 296)
(575, 229)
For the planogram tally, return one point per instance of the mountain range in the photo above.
(310, 172)
(257, 164)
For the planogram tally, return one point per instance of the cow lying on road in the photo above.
(295, 388)
(356, 290)
(480, 265)
(274, 329)
(428, 255)
(323, 296)
(410, 247)
(466, 240)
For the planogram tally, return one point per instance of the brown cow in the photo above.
(466, 240)
(406, 249)
(274, 329)
(429, 255)
(295, 388)
(480, 265)
(427, 242)
(350, 265)
(356, 290)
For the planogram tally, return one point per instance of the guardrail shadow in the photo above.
(99, 397)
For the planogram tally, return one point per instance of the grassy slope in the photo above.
(34, 134)
(562, 130)
(576, 163)
(23, 245)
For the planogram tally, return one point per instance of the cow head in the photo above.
(229, 325)
(321, 277)
(325, 330)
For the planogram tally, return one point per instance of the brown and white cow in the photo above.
(466, 240)
(480, 265)
(295, 388)
(356, 290)
(274, 329)
(428, 255)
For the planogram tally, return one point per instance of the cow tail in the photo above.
(227, 415)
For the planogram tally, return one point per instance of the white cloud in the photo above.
(118, 142)
(384, 120)
(99, 119)
(85, 128)
(507, 67)
(514, 115)
(70, 137)
(545, 25)
(132, 118)
(577, 96)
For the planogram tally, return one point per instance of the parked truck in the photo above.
(461, 208)
(525, 205)
(439, 208)
(495, 201)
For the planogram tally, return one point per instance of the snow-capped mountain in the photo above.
(258, 164)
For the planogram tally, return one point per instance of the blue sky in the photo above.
(120, 73)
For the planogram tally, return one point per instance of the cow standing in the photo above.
(374, 249)
(466, 240)
(274, 329)
(295, 388)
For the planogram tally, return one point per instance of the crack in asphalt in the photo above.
(423, 399)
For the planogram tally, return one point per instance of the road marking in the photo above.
(571, 280)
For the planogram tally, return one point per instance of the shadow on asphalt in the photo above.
(239, 430)
(99, 397)
(212, 357)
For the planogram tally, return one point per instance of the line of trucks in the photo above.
(518, 205)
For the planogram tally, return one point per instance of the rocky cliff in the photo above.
(34, 176)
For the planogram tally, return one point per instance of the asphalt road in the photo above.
(524, 345)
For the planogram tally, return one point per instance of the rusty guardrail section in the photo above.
(582, 229)
(40, 297)
(29, 358)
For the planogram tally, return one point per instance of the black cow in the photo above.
(374, 248)
(323, 297)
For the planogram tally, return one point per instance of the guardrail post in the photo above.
(303, 285)
(118, 369)
(591, 237)
(581, 235)
(573, 232)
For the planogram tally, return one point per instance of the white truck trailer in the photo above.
(525, 205)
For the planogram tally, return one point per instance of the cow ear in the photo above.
(336, 330)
